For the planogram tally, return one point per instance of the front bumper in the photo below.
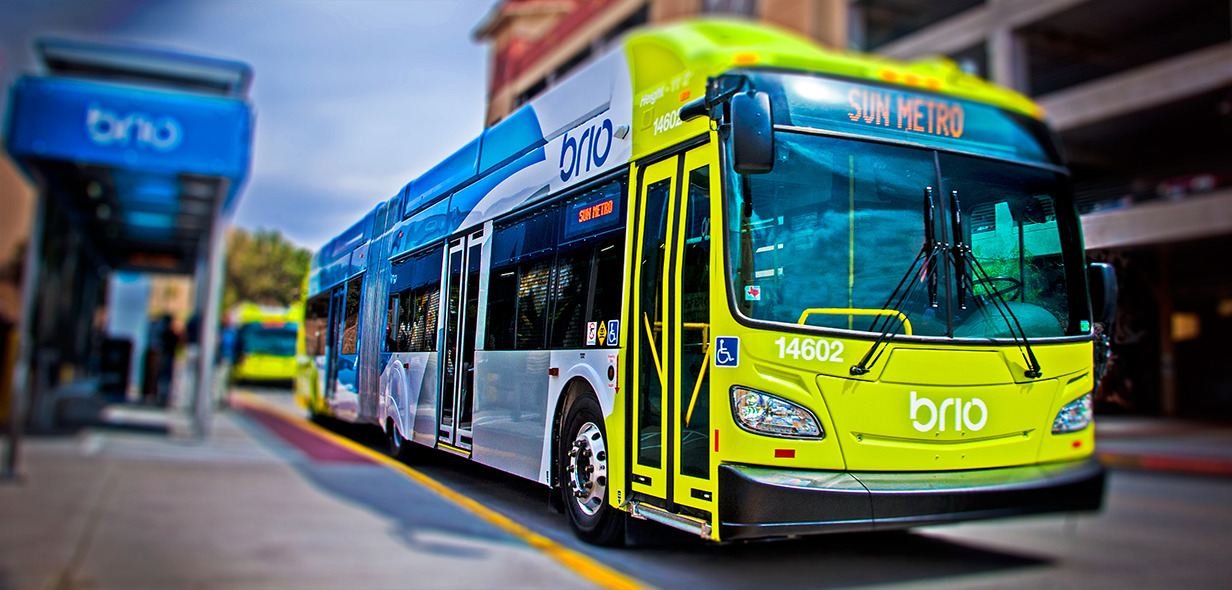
(765, 502)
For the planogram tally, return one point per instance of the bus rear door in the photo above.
(462, 277)
(670, 337)
(333, 339)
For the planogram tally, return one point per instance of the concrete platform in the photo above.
(139, 508)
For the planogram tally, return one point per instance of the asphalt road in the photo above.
(1156, 531)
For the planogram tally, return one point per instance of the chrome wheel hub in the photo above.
(587, 469)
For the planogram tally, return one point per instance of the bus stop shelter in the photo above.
(139, 157)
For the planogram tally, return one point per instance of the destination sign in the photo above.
(594, 212)
(909, 113)
(904, 115)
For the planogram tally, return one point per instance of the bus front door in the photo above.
(670, 329)
(456, 405)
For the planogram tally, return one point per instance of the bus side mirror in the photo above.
(752, 133)
(1103, 291)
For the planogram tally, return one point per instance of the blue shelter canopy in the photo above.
(144, 150)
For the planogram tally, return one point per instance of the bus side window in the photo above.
(421, 316)
(588, 282)
(573, 281)
(350, 322)
(520, 277)
(589, 266)
(502, 308)
(608, 281)
(422, 303)
(391, 325)
(316, 322)
(417, 285)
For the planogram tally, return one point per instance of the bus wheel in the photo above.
(399, 448)
(583, 468)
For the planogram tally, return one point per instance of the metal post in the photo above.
(209, 294)
(19, 393)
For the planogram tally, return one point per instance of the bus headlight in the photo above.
(763, 413)
(1075, 416)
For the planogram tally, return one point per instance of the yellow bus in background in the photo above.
(264, 345)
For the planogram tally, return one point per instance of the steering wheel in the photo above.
(1014, 286)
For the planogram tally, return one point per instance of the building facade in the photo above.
(1139, 92)
(534, 43)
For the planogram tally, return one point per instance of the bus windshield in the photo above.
(258, 339)
(836, 234)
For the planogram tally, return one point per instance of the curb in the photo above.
(1164, 463)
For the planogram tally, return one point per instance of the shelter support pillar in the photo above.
(208, 300)
(20, 393)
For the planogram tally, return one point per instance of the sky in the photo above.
(353, 98)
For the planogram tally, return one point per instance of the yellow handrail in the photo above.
(688, 419)
(654, 354)
(856, 311)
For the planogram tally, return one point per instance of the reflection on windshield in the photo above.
(1011, 225)
(256, 339)
(833, 227)
(827, 236)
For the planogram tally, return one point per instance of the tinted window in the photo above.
(541, 294)
(529, 237)
(350, 325)
(695, 314)
(316, 325)
(587, 290)
(417, 296)
(826, 237)
(520, 277)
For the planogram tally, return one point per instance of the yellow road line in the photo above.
(577, 562)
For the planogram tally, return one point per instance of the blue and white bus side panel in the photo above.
(587, 124)
(515, 397)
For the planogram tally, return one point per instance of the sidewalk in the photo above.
(138, 508)
(1164, 444)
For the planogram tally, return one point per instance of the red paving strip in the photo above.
(1190, 465)
(316, 447)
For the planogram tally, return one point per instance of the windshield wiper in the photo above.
(929, 254)
(964, 261)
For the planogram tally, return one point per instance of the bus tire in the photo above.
(399, 448)
(582, 461)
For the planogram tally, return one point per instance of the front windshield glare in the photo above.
(1015, 235)
(828, 236)
(831, 232)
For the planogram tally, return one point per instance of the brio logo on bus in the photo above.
(936, 416)
(107, 128)
(585, 149)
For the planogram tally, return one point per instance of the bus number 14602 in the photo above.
(810, 349)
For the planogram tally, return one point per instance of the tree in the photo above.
(263, 267)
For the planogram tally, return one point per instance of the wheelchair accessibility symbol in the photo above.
(727, 351)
